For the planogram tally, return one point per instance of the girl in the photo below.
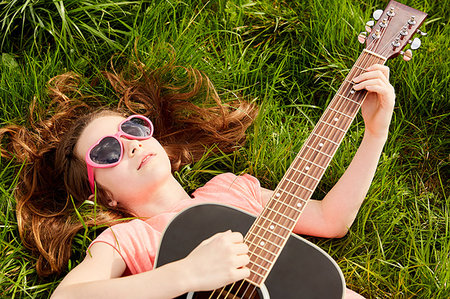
(125, 162)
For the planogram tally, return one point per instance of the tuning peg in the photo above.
(369, 25)
(407, 55)
(391, 12)
(415, 44)
(377, 14)
(362, 37)
(422, 33)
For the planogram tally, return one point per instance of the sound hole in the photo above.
(238, 290)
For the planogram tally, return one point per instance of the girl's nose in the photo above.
(132, 147)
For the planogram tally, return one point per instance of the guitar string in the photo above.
(385, 49)
(361, 95)
(310, 154)
(347, 86)
(375, 40)
(389, 19)
(327, 116)
(332, 116)
(297, 188)
(307, 151)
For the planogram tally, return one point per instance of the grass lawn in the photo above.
(288, 56)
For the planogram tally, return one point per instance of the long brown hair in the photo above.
(53, 181)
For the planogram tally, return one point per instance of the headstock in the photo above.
(394, 29)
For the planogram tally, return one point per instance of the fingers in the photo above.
(234, 237)
(241, 248)
(241, 261)
(380, 67)
(375, 71)
(241, 273)
(368, 83)
(376, 80)
(229, 239)
(239, 253)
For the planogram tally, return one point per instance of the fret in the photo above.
(300, 185)
(278, 213)
(333, 126)
(257, 246)
(270, 231)
(329, 140)
(260, 266)
(314, 149)
(351, 117)
(260, 257)
(296, 196)
(262, 276)
(266, 240)
(304, 187)
(375, 54)
(279, 224)
(258, 234)
(312, 163)
(304, 173)
(361, 68)
(347, 98)
(254, 280)
(349, 81)
(286, 204)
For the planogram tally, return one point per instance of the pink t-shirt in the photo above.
(137, 241)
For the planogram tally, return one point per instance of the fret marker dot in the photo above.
(321, 144)
(262, 243)
(336, 119)
(272, 227)
(299, 205)
(307, 167)
(278, 195)
(352, 91)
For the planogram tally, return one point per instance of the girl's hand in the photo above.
(218, 261)
(378, 106)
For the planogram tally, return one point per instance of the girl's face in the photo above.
(144, 166)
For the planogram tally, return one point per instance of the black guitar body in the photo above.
(302, 270)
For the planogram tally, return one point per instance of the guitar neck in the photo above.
(268, 235)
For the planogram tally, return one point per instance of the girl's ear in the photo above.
(112, 202)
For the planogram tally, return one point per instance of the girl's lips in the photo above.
(146, 159)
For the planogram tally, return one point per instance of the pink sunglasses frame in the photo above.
(91, 164)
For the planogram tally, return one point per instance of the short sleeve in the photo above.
(135, 241)
(243, 191)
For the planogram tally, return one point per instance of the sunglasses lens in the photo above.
(137, 127)
(106, 152)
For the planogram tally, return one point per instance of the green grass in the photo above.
(288, 56)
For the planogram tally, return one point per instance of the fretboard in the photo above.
(269, 233)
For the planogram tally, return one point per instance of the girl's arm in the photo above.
(332, 216)
(98, 276)
(216, 262)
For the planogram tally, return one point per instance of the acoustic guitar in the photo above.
(282, 264)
